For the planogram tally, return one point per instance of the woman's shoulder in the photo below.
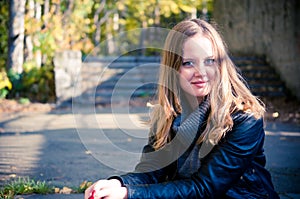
(243, 119)
(246, 131)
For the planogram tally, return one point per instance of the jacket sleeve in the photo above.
(150, 169)
(221, 168)
(160, 165)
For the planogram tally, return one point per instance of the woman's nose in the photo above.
(200, 70)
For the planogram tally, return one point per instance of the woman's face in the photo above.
(198, 68)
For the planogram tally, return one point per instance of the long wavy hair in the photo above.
(229, 92)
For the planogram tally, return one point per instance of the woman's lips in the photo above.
(199, 84)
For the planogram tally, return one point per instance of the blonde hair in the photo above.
(228, 94)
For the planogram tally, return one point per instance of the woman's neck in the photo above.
(189, 104)
(192, 101)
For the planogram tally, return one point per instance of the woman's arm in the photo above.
(150, 169)
(219, 170)
(160, 165)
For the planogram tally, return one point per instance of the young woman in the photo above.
(207, 135)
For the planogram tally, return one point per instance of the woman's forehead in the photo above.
(198, 45)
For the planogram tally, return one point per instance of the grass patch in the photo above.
(23, 186)
(82, 187)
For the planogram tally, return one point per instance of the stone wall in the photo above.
(67, 66)
(264, 28)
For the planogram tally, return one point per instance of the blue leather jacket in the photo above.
(234, 168)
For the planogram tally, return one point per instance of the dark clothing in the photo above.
(234, 168)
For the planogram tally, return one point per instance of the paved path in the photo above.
(66, 149)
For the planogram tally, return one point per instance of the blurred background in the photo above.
(59, 58)
(49, 45)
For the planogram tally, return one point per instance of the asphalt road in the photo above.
(65, 149)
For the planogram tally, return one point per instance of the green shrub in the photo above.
(5, 84)
(24, 186)
(4, 20)
(36, 84)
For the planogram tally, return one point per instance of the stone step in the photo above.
(268, 94)
(266, 88)
(129, 78)
(259, 74)
(252, 65)
(127, 86)
(125, 94)
(108, 59)
(128, 65)
(244, 60)
(108, 96)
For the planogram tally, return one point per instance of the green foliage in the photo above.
(71, 25)
(3, 33)
(3, 93)
(5, 84)
(149, 12)
(36, 84)
(24, 186)
(62, 28)
(82, 187)
(23, 100)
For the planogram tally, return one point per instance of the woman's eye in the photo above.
(188, 64)
(209, 62)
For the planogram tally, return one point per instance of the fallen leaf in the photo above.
(65, 190)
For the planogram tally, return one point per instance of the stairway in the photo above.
(113, 81)
(262, 79)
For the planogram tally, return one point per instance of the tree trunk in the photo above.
(142, 49)
(16, 35)
(65, 22)
(28, 53)
(46, 11)
(110, 39)
(156, 14)
(97, 23)
(38, 53)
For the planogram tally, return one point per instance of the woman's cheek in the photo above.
(211, 73)
(185, 74)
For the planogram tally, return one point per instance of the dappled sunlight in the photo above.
(42, 122)
(122, 121)
(283, 133)
(20, 155)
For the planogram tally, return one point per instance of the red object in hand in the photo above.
(92, 196)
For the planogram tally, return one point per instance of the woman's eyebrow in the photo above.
(195, 59)
(187, 58)
(208, 57)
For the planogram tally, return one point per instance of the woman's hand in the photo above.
(106, 189)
